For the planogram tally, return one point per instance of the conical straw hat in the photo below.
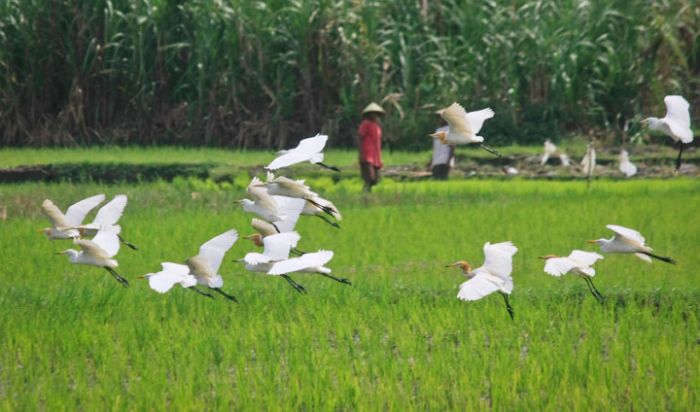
(373, 107)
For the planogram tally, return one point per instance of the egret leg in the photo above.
(593, 289)
(224, 294)
(680, 153)
(276, 228)
(508, 307)
(295, 285)
(132, 246)
(490, 150)
(326, 209)
(201, 292)
(119, 279)
(341, 280)
(334, 224)
(297, 252)
(661, 258)
(325, 166)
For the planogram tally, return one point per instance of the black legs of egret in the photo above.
(490, 150)
(341, 280)
(661, 258)
(326, 209)
(201, 292)
(132, 246)
(119, 279)
(334, 224)
(295, 285)
(224, 294)
(325, 166)
(593, 289)
(680, 153)
(508, 307)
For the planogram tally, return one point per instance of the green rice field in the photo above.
(397, 339)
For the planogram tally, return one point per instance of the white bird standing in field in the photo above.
(205, 266)
(628, 241)
(550, 149)
(577, 263)
(173, 274)
(309, 149)
(626, 167)
(676, 124)
(64, 226)
(106, 219)
(493, 276)
(98, 252)
(588, 161)
(276, 248)
(308, 263)
(463, 127)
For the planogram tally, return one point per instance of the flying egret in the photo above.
(676, 124)
(284, 186)
(463, 127)
(493, 276)
(626, 167)
(205, 266)
(276, 248)
(63, 226)
(262, 204)
(310, 149)
(628, 241)
(577, 263)
(171, 275)
(98, 252)
(308, 263)
(264, 229)
(106, 219)
(317, 206)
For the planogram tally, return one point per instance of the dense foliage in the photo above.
(264, 74)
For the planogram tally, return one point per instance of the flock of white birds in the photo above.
(280, 201)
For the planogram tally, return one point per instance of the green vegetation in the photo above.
(398, 339)
(249, 74)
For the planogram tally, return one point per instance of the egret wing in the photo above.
(213, 250)
(628, 233)
(476, 119)
(585, 258)
(171, 274)
(277, 247)
(312, 145)
(559, 266)
(109, 214)
(254, 258)
(77, 212)
(107, 240)
(456, 118)
(477, 287)
(289, 209)
(57, 218)
(287, 159)
(263, 227)
(678, 117)
(302, 262)
(499, 258)
(259, 193)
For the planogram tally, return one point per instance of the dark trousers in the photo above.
(370, 174)
(440, 172)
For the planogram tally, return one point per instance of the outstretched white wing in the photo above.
(586, 258)
(171, 274)
(312, 145)
(456, 118)
(305, 150)
(476, 119)
(305, 261)
(559, 266)
(289, 209)
(77, 212)
(678, 117)
(628, 233)
(109, 214)
(254, 258)
(57, 218)
(479, 286)
(107, 240)
(499, 258)
(213, 251)
(277, 247)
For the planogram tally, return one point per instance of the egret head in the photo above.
(71, 253)
(256, 238)
(442, 136)
(652, 122)
(597, 241)
(46, 231)
(546, 257)
(462, 264)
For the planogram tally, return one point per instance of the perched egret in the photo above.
(276, 248)
(626, 167)
(628, 241)
(676, 124)
(205, 266)
(577, 263)
(308, 263)
(493, 276)
(318, 206)
(171, 275)
(588, 161)
(63, 226)
(309, 149)
(106, 219)
(564, 158)
(98, 252)
(550, 149)
(463, 127)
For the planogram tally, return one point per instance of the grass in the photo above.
(397, 339)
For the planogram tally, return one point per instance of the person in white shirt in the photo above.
(443, 155)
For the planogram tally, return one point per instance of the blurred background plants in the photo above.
(264, 74)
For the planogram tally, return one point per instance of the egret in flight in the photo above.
(309, 149)
(308, 263)
(577, 263)
(628, 241)
(264, 229)
(205, 266)
(276, 248)
(626, 167)
(284, 186)
(463, 127)
(676, 124)
(493, 276)
(318, 206)
(64, 226)
(98, 252)
(171, 275)
(106, 219)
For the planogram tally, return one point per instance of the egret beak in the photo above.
(239, 260)
(40, 230)
(249, 237)
(141, 277)
(60, 253)
(592, 241)
(546, 257)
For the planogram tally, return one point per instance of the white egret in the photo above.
(317, 206)
(628, 241)
(308, 263)
(626, 167)
(63, 226)
(276, 248)
(577, 263)
(564, 158)
(98, 252)
(550, 149)
(205, 266)
(493, 276)
(284, 186)
(309, 149)
(588, 161)
(676, 124)
(106, 219)
(262, 204)
(463, 127)
(171, 275)
(264, 229)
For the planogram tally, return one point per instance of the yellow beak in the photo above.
(591, 241)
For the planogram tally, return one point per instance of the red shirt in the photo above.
(371, 143)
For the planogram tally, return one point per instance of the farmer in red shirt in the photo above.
(370, 142)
